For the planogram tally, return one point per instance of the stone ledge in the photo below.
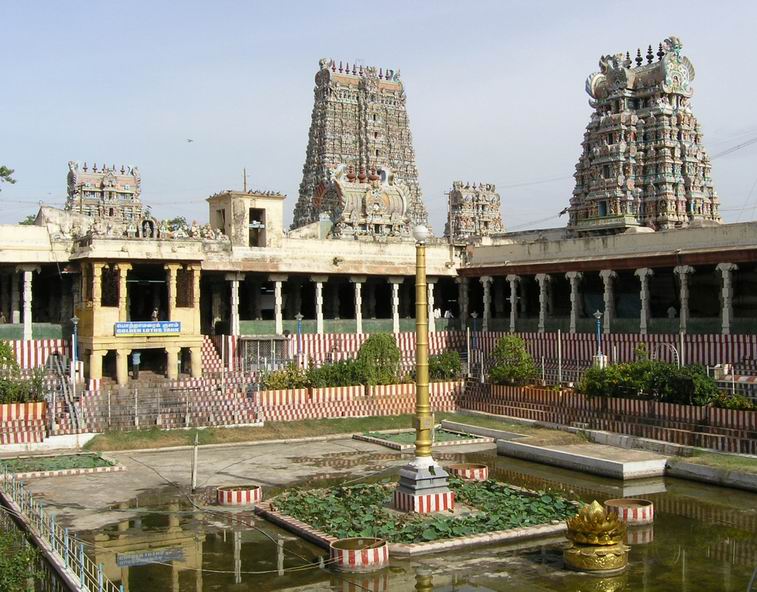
(707, 474)
(456, 426)
(323, 540)
(411, 447)
(617, 469)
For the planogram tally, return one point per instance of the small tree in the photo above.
(512, 362)
(6, 175)
(379, 358)
(29, 220)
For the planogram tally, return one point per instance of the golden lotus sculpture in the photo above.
(596, 541)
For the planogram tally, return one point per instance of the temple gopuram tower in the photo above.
(105, 192)
(359, 123)
(473, 212)
(643, 162)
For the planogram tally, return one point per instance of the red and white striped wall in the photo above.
(359, 554)
(33, 353)
(239, 495)
(22, 411)
(472, 472)
(425, 503)
(632, 511)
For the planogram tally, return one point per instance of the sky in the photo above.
(495, 92)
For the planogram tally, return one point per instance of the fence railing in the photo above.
(66, 548)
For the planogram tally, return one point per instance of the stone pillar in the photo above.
(726, 270)
(28, 271)
(431, 319)
(462, 299)
(96, 363)
(358, 280)
(396, 283)
(574, 277)
(608, 276)
(172, 363)
(15, 316)
(683, 272)
(643, 275)
(97, 286)
(513, 281)
(122, 366)
(319, 280)
(486, 282)
(196, 360)
(234, 301)
(171, 269)
(123, 310)
(278, 302)
(196, 271)
(543, 280)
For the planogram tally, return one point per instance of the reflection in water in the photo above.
(703, 539)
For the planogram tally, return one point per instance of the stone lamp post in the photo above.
(600, 359)
(423, 485)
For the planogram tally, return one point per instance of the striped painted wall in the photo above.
(577, 348)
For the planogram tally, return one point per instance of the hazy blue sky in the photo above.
(495, 92)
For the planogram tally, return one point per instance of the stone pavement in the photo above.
(91, 501)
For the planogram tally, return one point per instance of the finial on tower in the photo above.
(650, 55)
(639, 59)
(660, 52)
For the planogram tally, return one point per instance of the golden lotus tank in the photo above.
(597, 541)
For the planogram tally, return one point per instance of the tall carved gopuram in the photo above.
(643, 163)
(359, 123)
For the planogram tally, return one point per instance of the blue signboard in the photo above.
(148, 328)
(147, 557)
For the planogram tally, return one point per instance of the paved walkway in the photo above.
(87, 502)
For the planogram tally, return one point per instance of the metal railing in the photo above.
(66, 549)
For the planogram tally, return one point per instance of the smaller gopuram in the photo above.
(106, 192)
(643, 163)
(474, 212)
(364, 204)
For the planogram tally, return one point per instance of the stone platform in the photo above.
(597, 459)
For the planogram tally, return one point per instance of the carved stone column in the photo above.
(171, 271)
(683, 271)
(608, 276)
(122, 366)
(574, 277)
(234, 278)
(543, 280)
(513, 281)
(96, 363)
(462, 299)
(97, 287)
(28, 272)
(726, 270)
(278, 302)
(196, 361)
(319, 281)
(123, 309)
(196, 271)
(172, 363)
(431, 318)
(486, 282)
(358, 280)
(643, 275)
(396, 283)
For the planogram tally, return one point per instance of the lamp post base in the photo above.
(423, 488)
(600, 361)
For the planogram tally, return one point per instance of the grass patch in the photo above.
(409, 437)
(53, 463)
(727, 462)
(361, 511)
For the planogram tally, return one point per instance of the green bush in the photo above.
(445, 366)
(512, 362)
(737, 402)
(379, 357)
(290, 377)
(17, 562)
(7, 359)
(344, 373)
(14, 389)
(650, 379)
